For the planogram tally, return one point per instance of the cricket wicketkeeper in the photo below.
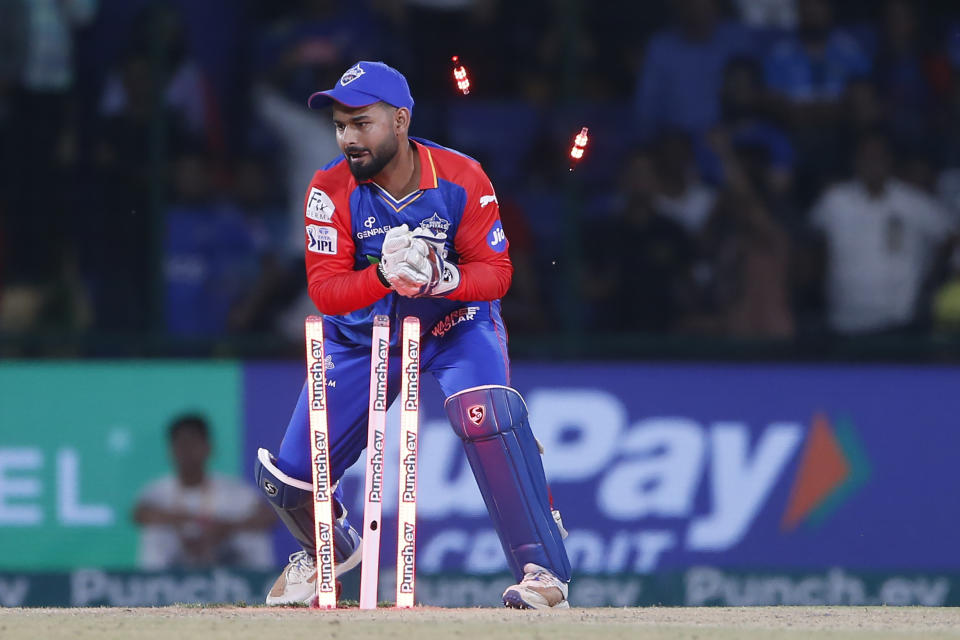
(404, 227)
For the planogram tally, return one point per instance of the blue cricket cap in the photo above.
(363, 84)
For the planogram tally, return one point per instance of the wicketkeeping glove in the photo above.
(403, 262)
(441, 275)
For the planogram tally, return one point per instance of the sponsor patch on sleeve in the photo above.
(321, 239)
(496, 238)
(319, 206)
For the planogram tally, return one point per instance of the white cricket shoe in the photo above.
(298, 582)
(539, 589)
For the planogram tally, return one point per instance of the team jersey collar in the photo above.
(428, 170)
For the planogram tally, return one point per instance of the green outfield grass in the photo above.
(656, 623)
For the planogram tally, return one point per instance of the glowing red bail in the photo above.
(579, 146)
(460, 76)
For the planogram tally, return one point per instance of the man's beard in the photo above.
(375, 163)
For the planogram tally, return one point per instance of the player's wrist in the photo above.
(382, 276)
(448, 282)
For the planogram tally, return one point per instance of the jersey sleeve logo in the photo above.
(319, 206)
(485, 200)
(321, 239)
(497, 239)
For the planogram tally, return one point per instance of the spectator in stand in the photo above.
(640, 261)
(546, 46)
(747, 123)
(807, 73)
(901, 70)
(810, 69)
(768, 14)
(744, 250)
(862, 110)
(882, 240)
(680, 195)
(948, 125)
(306, 46)
(826, 149)
(211, 255)
(524, 306)
(307, 144)
(37, 136)
(13, 53)
(196, 519)
(433, 30)
(682, 73)
(265, 216)
(186, 90)
(126, 155)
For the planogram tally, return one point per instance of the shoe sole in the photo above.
(513, 600)
(289, 602)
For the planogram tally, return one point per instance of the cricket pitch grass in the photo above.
(651, 623)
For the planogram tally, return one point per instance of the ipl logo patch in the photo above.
(351, 74)
(321, 239)
(476, 413)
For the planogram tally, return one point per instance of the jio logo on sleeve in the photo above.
(496, 238)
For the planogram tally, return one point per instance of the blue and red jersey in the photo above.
(346, 222)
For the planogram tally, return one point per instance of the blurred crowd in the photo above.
(757, 168)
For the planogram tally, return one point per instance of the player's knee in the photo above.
(292, 500)
(283, 491)
(483, 412)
